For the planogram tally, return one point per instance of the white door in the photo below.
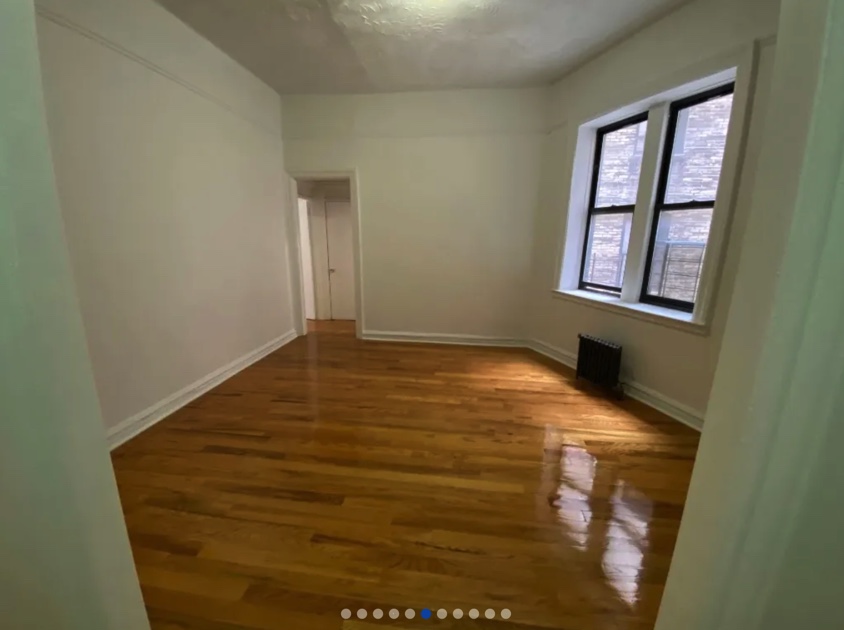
(341, 260)
(319, 256)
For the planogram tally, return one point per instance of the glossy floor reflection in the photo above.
(339, 474)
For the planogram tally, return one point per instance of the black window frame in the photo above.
(592, 210)
(662, 188)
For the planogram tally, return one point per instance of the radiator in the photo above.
(599, 361)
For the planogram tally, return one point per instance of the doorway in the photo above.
(326, 235)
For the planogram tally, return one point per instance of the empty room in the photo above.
(357, 314)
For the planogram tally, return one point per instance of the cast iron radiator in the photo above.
(599, 361)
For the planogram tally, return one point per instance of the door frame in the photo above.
(297, 273)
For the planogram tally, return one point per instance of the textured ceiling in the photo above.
(318, 46)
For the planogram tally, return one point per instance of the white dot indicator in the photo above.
(378, 613)
(442, 613)
(346, 614)
(489, 614)
(410, 613)
(474, 614)
(394, 614)
(361, 614)
(505, 614)
(458, 614)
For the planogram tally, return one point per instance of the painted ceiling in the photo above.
(355, 46)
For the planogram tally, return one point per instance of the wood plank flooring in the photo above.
(342, 474)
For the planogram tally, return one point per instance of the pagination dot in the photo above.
(426, 613)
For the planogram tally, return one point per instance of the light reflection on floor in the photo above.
(627, 537)
(577, 479)
(601, 512)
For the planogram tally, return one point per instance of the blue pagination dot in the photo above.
(426, 613)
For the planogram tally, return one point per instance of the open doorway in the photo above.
(326, 220)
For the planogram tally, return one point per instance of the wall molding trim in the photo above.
(459, 340)
(569, 359)
(61, 20)
(140, 422)
(673, 409)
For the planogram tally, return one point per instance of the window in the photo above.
(688, 183)
(612, 198)
(651, 261)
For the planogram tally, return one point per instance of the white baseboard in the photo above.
(134, 425)
(460, 340)
(552, 352)
(671, 408)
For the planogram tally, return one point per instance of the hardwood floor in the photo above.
(342, 474)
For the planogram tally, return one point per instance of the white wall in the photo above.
(330, 189)
(463, 196)
(65, 557)
(307, 259)
(170, 146)
(760, 543)
(169, 168)
(447, 184)
(675, 366)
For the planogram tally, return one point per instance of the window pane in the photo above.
(678, 253)
(698, 151)
(606, 249)
(621, 163)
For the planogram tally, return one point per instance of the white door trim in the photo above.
(306, 243)
(357, 245)
(294, 259)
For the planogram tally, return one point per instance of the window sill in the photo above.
(646, 312)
